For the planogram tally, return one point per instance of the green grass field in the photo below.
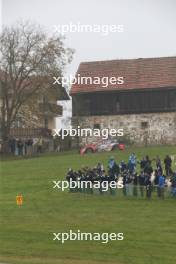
(149, 227)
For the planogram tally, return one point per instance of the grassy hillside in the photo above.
(26, 232)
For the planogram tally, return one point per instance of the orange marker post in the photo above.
(19, 199)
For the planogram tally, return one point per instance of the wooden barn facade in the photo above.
(144, 105)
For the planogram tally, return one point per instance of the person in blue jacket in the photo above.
(132, 163)
(161, 185)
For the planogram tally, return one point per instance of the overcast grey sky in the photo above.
(149, 26)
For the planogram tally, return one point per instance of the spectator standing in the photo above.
(29, 146)
(12, 144)
(113, 167)
(161, 185)
(40, 145)
(173, 184)
(158, 164)
(148, 185)
(141, 183)
(20, 146)
(168, 165)
(132, 163)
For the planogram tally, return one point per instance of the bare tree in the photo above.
(28, 61)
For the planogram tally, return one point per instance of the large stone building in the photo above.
(144, 105)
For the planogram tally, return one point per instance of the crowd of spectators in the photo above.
(138, 177)
(27, 146)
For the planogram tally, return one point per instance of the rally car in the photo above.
(107, 145)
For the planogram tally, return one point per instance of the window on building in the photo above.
(96, 126)
(86, 106)
(144, 125)
(117, 104)
(46, 122)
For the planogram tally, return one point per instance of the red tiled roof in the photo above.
(140, 73)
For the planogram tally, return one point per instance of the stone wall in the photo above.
(141, 129)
